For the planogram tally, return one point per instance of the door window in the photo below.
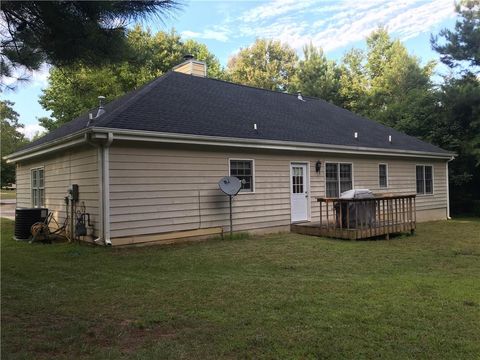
(297, 180)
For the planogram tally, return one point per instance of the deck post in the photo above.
(377, 216)
(328, 220)
(410, 213)
(348, 216)
(321, 205)
(396, 213)
(414, 215)
(371, 221)
(390, 215)
(383, 215)
(415, 211)
(341, 213)
(356, 222)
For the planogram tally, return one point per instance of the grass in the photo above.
(279, 296)
(7, 194)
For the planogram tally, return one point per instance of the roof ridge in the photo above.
(237, 84)
(138, 94)
(313, 98)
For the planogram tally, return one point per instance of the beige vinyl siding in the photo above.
(192, 68)
(155, 189)
(198, 69)
(75, 166)
(402, 179)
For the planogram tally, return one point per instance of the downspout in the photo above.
(106, 188)
(100, 187)
(448, 188)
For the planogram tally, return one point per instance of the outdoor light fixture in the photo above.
(318, 166)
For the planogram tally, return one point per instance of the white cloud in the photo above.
(275, 8)
(216, 33)
(31, 130)
(339, 25)
(410, 23)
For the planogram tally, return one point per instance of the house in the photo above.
(148, 164)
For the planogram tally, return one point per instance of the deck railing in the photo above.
(363, 218)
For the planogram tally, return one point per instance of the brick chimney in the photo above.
(191, 66)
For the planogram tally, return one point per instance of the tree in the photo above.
(353, 81)
(457, 128)
(11, 139)
(63, 32)
(74, 89)
(458, 117)
(266, 64)
(461, 45)
(317, 76)
(387, 84)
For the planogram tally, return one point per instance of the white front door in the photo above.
(299, 192)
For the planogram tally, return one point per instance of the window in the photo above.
(383, 175)
(424, 175)
(297, 180)
(243, 169)
(331, 176)
(338, 178)
(37, 187)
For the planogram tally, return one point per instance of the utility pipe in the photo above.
(448, 187)
(106, 188)
(100, 186)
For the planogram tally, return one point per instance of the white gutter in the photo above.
(17, 156)
(153, 136)
(105, 160)
(448, 188)
(57, 144)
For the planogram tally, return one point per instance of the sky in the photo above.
(227, 26)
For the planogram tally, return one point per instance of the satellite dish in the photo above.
(230, 185)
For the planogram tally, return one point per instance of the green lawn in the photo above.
(8, 194)
(282, 296)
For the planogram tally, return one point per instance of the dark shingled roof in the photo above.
(185, 104)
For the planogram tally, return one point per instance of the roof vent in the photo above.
(90, 119)
(389, 138)
(187, 57)
(299, 96)
(356, 135)
(101, 109)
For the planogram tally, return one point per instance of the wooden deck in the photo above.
(357, 219)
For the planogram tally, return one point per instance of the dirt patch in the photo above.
(128, 335)
(58, 336)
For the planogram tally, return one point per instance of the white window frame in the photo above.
(424, 180)
(338, 173)
(386, 174)
(253, 174)
(37, 188)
